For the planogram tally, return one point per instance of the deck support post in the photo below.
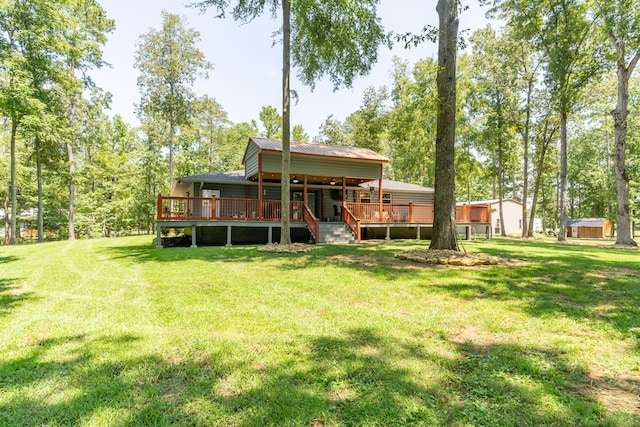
(228, 235)
(194, 230)
(388, 237)
(418, 233)
(270, 235)
(158, 236)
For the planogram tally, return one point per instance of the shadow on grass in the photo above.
(144, 254)
(9, 299)
(72, 381)
(359, 378)
(581, 282)
(559, 280)
(7, 259)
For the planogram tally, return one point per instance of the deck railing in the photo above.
(350, 219)
(228, 209)
(223, 208)
(312, 222)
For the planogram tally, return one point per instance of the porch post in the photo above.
(159, 209)
(344, 191)
(305, 198)
(194, 230)
(158, 236)
(228, 235)
(260, 203)
(380, 191)
(418, 232)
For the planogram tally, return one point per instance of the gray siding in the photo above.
(251, 160)
(402, 197)
(272, 162)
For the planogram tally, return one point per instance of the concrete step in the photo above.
(335, 232)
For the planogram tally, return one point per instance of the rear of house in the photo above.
(338, 194)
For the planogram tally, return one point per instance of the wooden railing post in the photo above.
(410, 211)
(159, 212)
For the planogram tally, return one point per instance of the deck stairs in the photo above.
(336, 232)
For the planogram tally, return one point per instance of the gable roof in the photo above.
(337, 151)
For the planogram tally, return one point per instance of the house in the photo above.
(591, 228)
(511, 212)
(338, 194)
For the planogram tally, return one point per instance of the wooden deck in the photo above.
(230, 209)
(355, 215)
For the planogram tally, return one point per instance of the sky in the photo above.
(247, 66)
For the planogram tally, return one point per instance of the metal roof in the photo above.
(338, 151)
(216, 177)
(586, 222)
(388, 184)
(491, 202)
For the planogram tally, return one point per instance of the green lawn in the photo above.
(118, 333)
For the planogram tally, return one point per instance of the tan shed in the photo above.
(589, 228)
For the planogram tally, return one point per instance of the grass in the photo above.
(118, 333)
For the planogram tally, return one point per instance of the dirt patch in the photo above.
(447, 257)
(619, 394)
(286, 249)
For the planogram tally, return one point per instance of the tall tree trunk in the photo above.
(171, 137)
(538, 182)
(7, 227)
(623, 218)
(609, 205)
(527, 230)
(285, 231)
(562, 235)
(72, 171)
(444, 224)
(503, 232)
(39, 179)
(14, 197)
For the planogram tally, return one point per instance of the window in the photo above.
(520, 224)
(365, 197)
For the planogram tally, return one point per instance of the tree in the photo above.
(412, 122)
(23, 47)
(563, 31)
(212, 121)
(622, 27)
(337, 39)
(299, 134)
(169, 63)
(332, 132)
(367, 126)
(42, 44)
(271, 121)
(444, 220)
(495, 73)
